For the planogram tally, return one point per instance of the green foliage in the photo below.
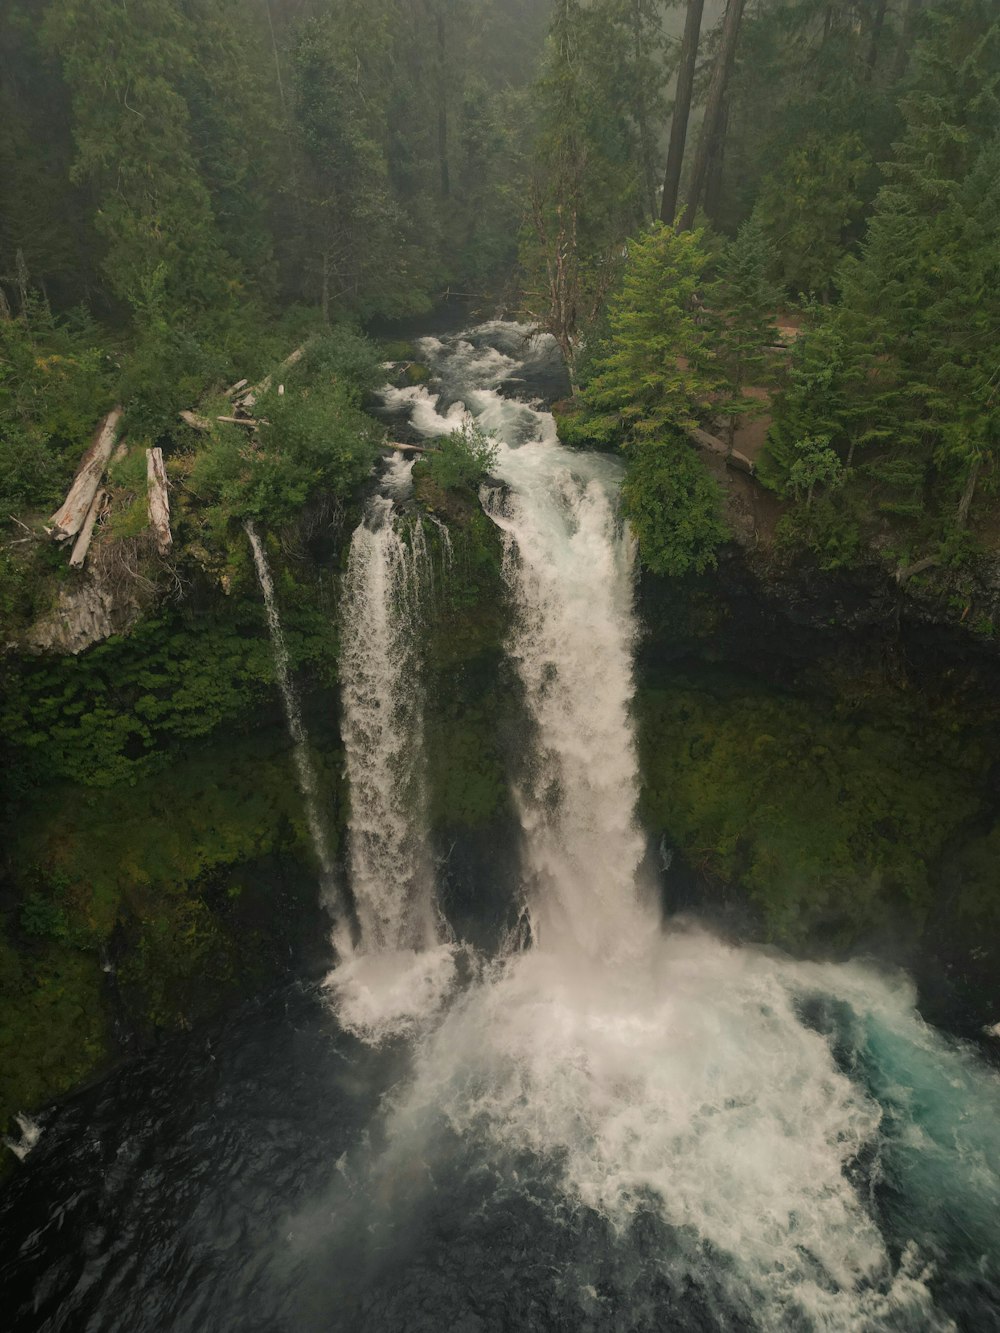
(674, 508)
(809, 204)
(833, 821)
(462, 460)
(811, 114)
(899, 379)
(120, 710)
(317, 440)
(746, 299)
(659, 370)
(816, 464)
(593, 180)
(54, 384)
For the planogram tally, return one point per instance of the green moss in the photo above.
(417, 373)
(832, 823)
(53, 1025)
(463, 652)
(159, 876)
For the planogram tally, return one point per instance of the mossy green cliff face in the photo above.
(156, 858)
(825, 763)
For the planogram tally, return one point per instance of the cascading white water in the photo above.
(293, 715)
(668, 1074)
(391, 875)
(568, 563)
(403, 962)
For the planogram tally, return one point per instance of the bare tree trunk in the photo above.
(248, 399)
(716, 158)
(82, 545)
(878, 23)
(443, 107)
(641, 116)
(682, 110)
(159, 502)
(962, 514)
(68, 520)
(713, 108)
(905, 42)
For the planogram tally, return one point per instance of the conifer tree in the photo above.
(747, 299)
(660, 371)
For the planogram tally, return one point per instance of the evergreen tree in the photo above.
(660, 370)
(126, 67)
(747, 299)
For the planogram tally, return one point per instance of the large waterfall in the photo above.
(402, 963)
(667, 1082)
(293, 715)
(617, 1123)
(568, 564)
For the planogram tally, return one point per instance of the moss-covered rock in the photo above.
(834, 824)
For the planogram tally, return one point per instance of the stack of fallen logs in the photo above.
(244, 397)
(87, 499)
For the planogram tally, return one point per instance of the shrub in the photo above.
(674, 508)
(463, 460)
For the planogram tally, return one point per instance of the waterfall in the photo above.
(390, 864)
(650, 1079)
(293, 715)
(403, 965)
(568, 563)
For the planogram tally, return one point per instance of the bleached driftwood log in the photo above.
(714, 445)
(82, 544)
(159, 503)
(250, 422)
(234, 389)
(68, 520)
(196, 422)
(393, 446)
(248, 399)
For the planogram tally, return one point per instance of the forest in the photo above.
(777, 219)
(764, 234)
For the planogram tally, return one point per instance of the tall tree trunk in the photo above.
(713, 108)
(875, 41)
(962, 515)
(905, 42)
(443, 106)
(716, 156)
(641, 114)
(682, 109)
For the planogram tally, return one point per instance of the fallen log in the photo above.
(68, 520)
(716, 446)
(249, 422)
(235, 388)
(196, 422)
(905, 572)
(408, 448)
(159, 503)
(260, 389)
(82, 544)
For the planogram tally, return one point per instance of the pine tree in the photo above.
(747, 299)
(660, 371)
(125, 67)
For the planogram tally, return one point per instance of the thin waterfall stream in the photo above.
(308, 784)
(613, 1122)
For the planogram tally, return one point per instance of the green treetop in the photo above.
(660, 370)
